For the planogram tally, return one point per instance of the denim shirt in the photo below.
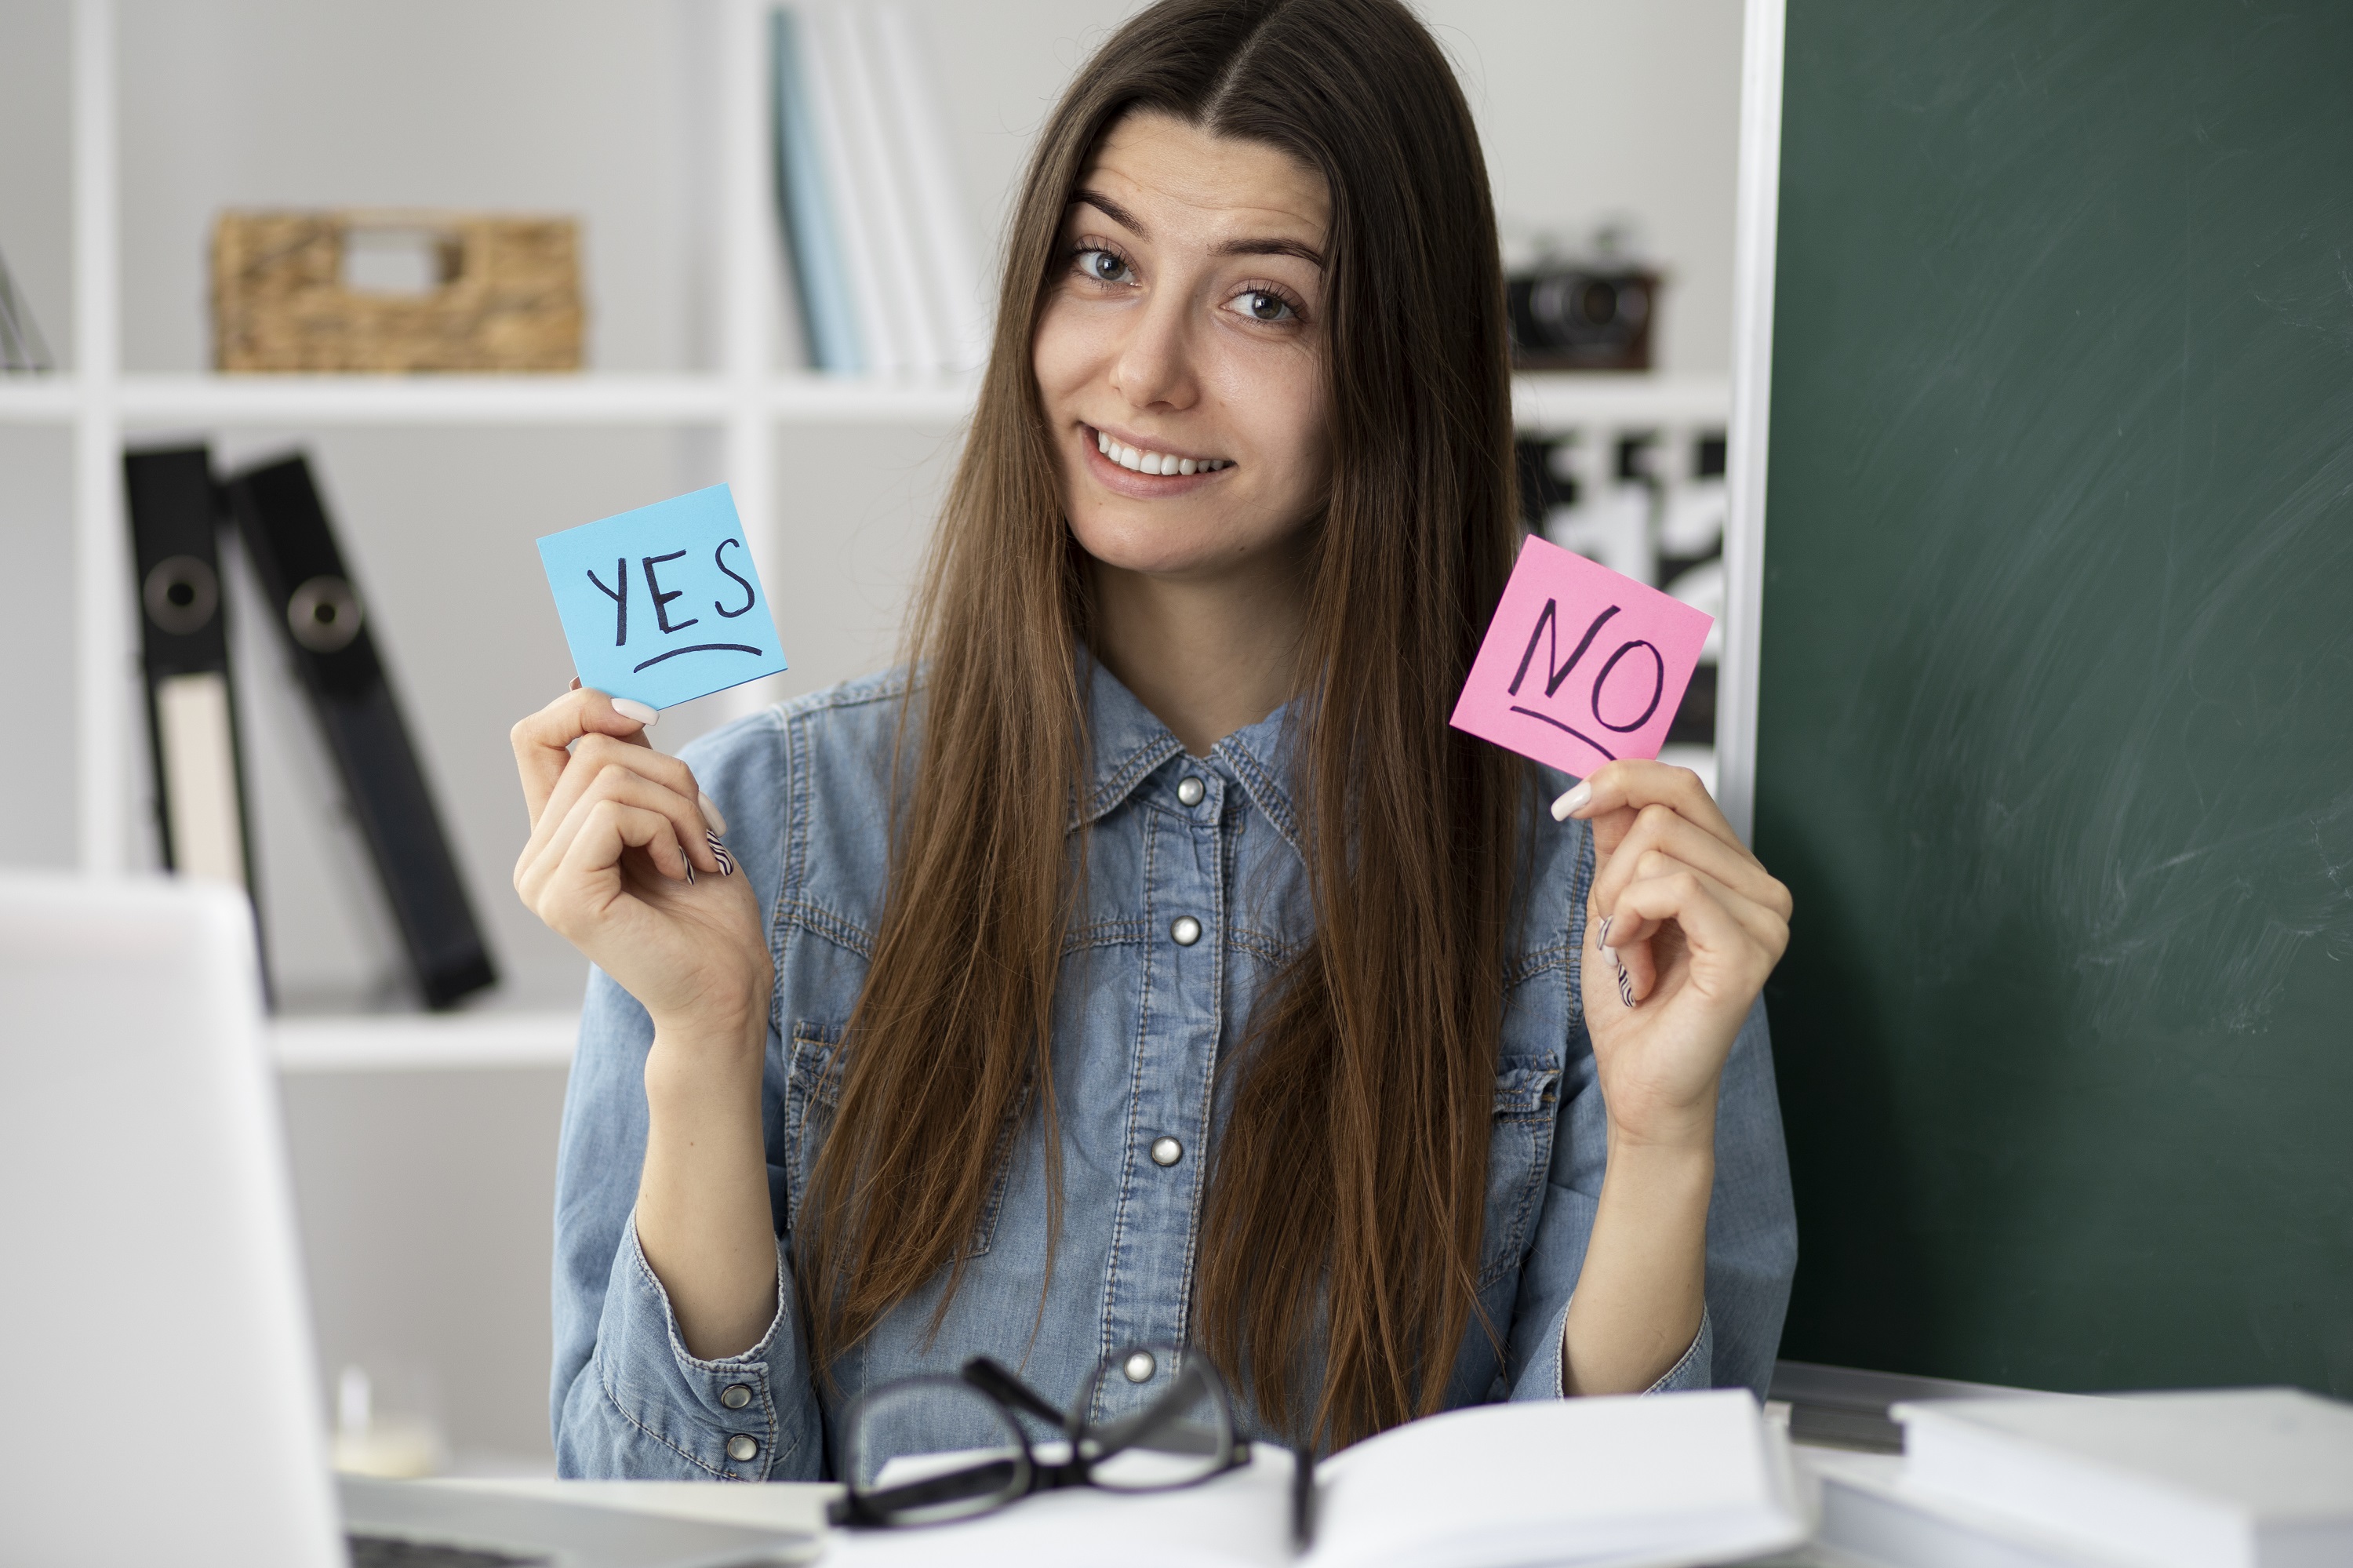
(1143, 1008)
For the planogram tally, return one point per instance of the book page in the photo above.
(1656, 1480)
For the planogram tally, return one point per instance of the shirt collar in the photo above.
(1130, 744)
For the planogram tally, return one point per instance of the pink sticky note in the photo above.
(1581, 666)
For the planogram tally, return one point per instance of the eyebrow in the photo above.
(1135, 226)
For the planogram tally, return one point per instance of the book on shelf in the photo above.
(885, 266)
(804, 208)
(308, 595)
(1632, 1481)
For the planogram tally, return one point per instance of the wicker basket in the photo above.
(508, 296)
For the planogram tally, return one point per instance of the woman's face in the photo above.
(1184, 330)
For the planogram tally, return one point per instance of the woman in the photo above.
(1156, 965)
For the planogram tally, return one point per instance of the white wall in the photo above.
(424, 1199)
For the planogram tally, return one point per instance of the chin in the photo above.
(1161, 551)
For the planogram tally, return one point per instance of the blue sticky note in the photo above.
(662, 604)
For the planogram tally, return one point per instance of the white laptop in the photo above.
(158, 1391)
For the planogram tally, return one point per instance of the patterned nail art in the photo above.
(719, 853)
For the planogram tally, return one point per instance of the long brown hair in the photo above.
(1346, 1206)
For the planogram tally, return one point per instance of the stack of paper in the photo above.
(2227, 1478)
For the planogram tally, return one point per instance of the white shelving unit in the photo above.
(743, 400)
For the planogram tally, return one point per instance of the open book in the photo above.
(1638, 1482)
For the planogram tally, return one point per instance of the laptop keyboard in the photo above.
(393, 1552)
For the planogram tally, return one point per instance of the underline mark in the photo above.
(700, 648)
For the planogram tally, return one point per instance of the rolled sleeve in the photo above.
(630, 1401)
(648, 1408)
(1752, 1230)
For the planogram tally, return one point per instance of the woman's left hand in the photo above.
(1682, 927)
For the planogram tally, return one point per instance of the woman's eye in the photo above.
(1262, 306)
(1103, 267)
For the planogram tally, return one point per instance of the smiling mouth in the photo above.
(1141, 459)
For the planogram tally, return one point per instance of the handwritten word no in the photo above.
(1630, 651)
(1547, 624)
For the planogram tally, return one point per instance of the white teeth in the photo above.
(1140, 461)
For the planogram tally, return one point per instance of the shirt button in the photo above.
(1139, 1367)
(1191, 791)
(740, 1448)
(1186, 930)
(1167, 1150)
(735, 1396)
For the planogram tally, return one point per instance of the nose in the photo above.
(1153, 367)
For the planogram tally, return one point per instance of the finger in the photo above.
(1707, 926)
(1767, 925)
(1635, 783)
(1662, 827)
(587, 872)
(683, 826)
(542, 741)
(593, 756)
(1629, 967)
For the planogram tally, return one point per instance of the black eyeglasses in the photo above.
(931, 1449)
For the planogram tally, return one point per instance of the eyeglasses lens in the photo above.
(1171, 1430)
(934, 1450)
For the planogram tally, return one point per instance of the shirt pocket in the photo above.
(814, 1068)
(1528, 1111)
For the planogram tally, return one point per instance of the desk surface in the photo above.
(774, 1505)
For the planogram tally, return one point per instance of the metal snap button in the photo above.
(1167, 1150)
(1139, 1367)
(1186, 930)
(1190, 791)
(735, 1396)
(740, 1448)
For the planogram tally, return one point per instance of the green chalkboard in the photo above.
(2056, 711)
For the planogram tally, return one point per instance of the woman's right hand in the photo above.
(614, 827)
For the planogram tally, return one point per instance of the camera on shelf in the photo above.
(1567, 316)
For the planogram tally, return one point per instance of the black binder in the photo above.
(200, 805)
(311, 601)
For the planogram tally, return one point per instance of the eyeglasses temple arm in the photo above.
(1001, 1385)
(1302, 1496)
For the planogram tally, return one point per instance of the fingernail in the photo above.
(689, 870)
(1625, 984)
(1576, 801)
(576, 682)
(629, 707)
(719, 853)
(1602, 941)
(712, 814)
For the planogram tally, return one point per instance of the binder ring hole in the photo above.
(325, 615)
(180, 595)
